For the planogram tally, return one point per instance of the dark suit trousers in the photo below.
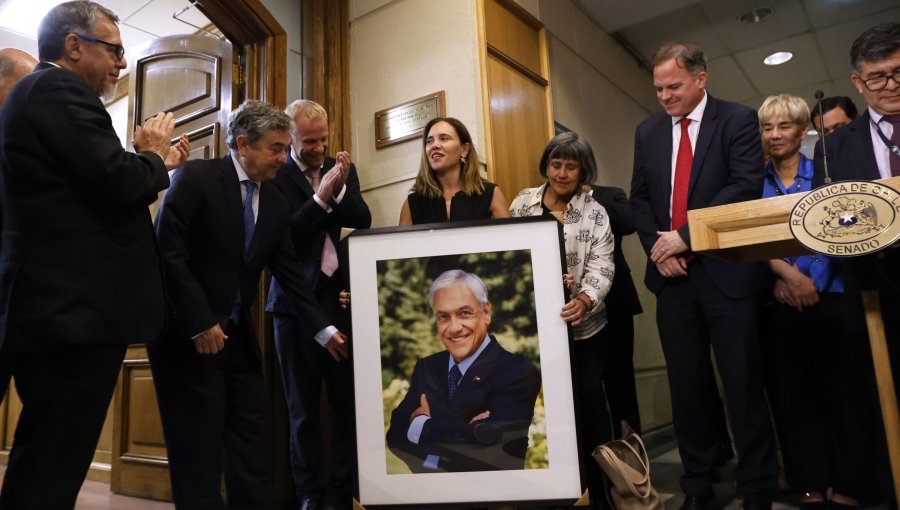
(818, 373)
(305, 365)
(594, 423)
(618, 378)
(65, 395)
(215, 419)
(693, 314)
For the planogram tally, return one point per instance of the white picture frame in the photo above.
(539, 239)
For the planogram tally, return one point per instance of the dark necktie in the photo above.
(683, 162)
(895, 139)
(453, 380)
(249, 219)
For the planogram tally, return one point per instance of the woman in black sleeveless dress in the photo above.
(449, 186)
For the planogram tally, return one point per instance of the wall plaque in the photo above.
(406, 121)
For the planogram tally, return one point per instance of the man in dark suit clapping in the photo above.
(79, 267)
(323, 197)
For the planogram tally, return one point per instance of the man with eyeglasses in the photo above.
(79, 266)
(867, 149)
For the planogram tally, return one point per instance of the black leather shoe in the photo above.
(695, 502)
(757, 504)
(310, 504)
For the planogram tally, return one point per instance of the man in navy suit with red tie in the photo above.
(703, 152)
(323, 197)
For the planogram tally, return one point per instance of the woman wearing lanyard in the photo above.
(815, 345)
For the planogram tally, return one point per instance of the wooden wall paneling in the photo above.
(514, 35)
(140, 466)
(329, 23)
(248, 24)
(516, 103)
(516, 95)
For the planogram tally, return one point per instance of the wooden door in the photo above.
(190, 76)
(516, 83)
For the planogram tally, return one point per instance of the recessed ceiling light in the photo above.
(756, 14)
(778, 58)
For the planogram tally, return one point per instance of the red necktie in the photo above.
(895, 139)
(683, 163)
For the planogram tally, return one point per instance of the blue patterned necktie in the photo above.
(453, 380)
(249, 219)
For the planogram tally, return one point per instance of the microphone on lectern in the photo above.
(821, 133)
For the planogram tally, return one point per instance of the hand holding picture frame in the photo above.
(503, 429)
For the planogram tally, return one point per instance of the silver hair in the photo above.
(254, 119)
(77, 17)
(454, 276)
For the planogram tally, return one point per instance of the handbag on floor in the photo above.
(627, 466)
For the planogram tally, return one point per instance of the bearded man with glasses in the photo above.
(79, 265)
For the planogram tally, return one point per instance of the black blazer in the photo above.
(851, 156)
(499, 381)
(727, 168)
(622, 299)
(79, 261)
(310, 223)
(201, 232)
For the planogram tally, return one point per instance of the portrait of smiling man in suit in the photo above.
(469, 406)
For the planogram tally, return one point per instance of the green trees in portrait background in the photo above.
(408, 331)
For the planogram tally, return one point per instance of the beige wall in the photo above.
(401, 50)
(598, 91)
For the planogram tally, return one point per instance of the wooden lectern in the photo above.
(759, 230)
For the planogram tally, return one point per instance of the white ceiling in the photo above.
(818, 32)
(140, 21)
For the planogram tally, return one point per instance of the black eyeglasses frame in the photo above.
(118, 49)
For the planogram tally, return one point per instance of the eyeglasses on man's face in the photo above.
(118, 49)
(879, 82)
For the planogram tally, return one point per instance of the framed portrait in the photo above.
(463, 387)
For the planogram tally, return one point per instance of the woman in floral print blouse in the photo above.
(568, 165)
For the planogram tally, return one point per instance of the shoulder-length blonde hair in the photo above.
(426, 181)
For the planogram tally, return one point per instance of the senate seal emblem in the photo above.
(848, 218)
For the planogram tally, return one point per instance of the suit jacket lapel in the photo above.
(707, 127)
(480, 370)
(231, 188)
(663, 137)
(861, 147)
